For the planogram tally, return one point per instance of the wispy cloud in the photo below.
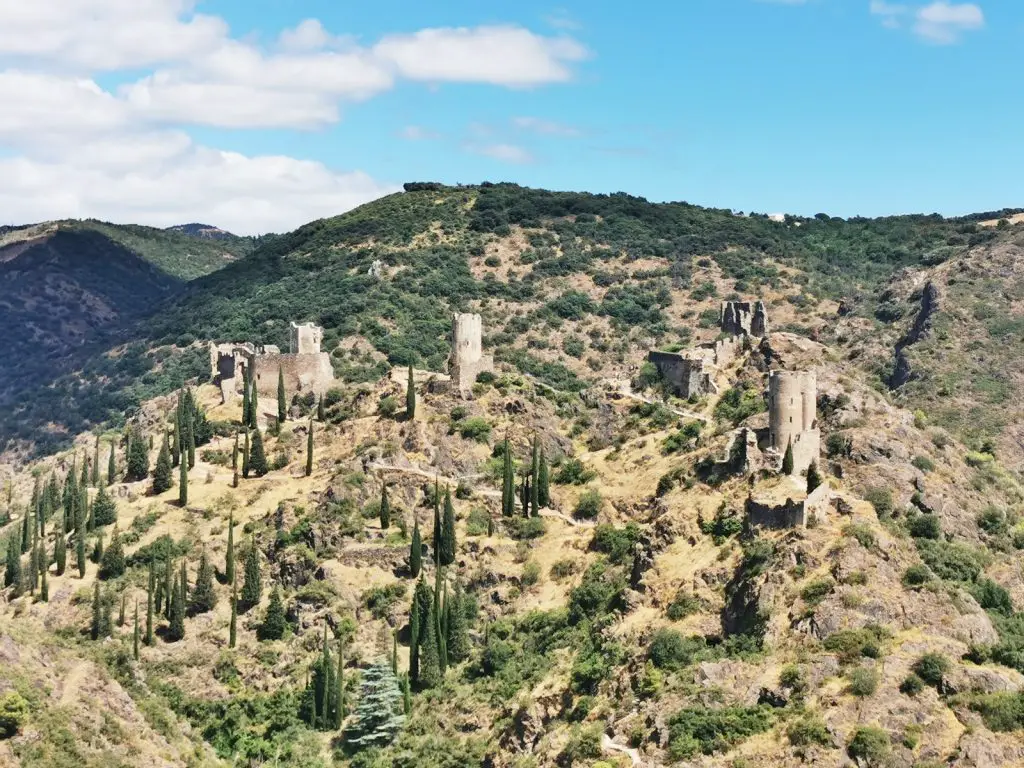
(560, 18)
(418, 133)
(506, 153)
(942, 22)
(545, 127)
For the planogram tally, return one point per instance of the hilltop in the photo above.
(680, 598)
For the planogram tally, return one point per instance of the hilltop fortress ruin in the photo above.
(467, 359)
(305, 367)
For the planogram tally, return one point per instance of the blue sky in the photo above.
(844, 106)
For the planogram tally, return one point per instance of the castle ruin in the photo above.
(792, 416)
(467, 359)
(305, 367)
(739, 318)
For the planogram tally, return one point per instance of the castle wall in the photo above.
(467, 359)
(305, 339)
(741, 318)
(302, 373)
(685, 376)
(791, 514)
(792, 399)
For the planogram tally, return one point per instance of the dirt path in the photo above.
(610, 746)
(73, 681)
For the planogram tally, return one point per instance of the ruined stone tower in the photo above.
(305, 339)
(467, 358)
(792, 416)
(739, 318)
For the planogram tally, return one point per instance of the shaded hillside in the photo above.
(574, 288)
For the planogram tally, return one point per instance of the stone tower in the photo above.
(739, 318)
(467, 358)
(792, 416)
(306, 338)
(759, 322)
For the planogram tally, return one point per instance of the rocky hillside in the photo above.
(641, 617)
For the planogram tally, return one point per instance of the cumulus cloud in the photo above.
(79, 150)
(939, 22)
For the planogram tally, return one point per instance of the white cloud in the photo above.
(506, 153)
(418, 133)
(545, 127)
(939, 22)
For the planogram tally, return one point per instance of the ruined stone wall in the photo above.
(741, 318)
(305, 339)
(302, 373)
(792, 416)
(685, 376)
(791, 514)
(467, 359)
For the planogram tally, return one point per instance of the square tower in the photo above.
(306, 338)
(467, 359)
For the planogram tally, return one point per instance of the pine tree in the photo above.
(415, 550)
(233, 626)
(320, 413)
(138, 458)
(252, 587)
(274, 621)
(96, 629)
(508, 495)
(410, 397)
(534, 480)
(245, 456)
(447, 556)
(257, 459)
(162, 472)
(12, 572)
(787, 459)
(176, 617)
(135, 634)
(104, 509)
(385, 508)
(80, 553)
(96, 463)
(183, 483)
(457, 627)
(203, 597)
(435, 539)
(543, 482)
(112, 564)
(60, 552)
(229, 560)
(377, 719)
(282, 404)
(111, 466)
(309, 449)
(813, 477)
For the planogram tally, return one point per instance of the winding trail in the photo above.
(611, 746)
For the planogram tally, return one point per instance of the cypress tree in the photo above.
(447, 556)
(97, 613)
(80, 553)
(203, 597)
(274, 621)
(111, 466)
(417, 614)
(112, 563)
(168, 589)
(26, 532)
(176, 435)
(457, 627)
(229, 560)
(90, 517)
(787, 459)
(97, 550)
(151, 588)
(394, 651)
(162, 473)
(234, 463)
(254, 405)
(508, 495)
(437, 532)
(385, 508)
(534, 480)
(33, 569)
(406, 687)
(104, 509)
(252, 587)
(176, 617)
(245, 400)
(257, 459)
(339, 678)
(96, 463)
(184, 584)
(135, 634)
(183, 483)
(430, 660)
(71, 498)
(44, 589)
(190, 431)
(543, 482)
(120, 613)
(309, 449)
(138, 458)
(320, 414)
(813, 477)
(232, 627)
(440, 624)
(415, 550)
(282, 405)
(410, 397)
(60, 552)
(12, 572)
(83, 481)
(245, 456)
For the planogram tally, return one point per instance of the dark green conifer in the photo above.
(233, 626)
(162, 472)
(234, 463)
(309, 449)
(252, 587)
(415, 549)
(44, 589)
(184, 584)
(457, 627)
(377, 722)
(274, 621)
(430, 660)
(320, 413)
(543, 482)
(80, 558)
(435, 539)
(104, 509)
(97, 550)
(282, 403)
(183, 483)
(339, 676)
(60, 551)
(112, 563)
(385, 508)
(787, 459)
(410, 397)
(246, 404)
(135, 634)
(257, 458)
(419, 612)
(111, 466)
(168, 588)
(508, 494)
(176, 617)
(534, 480)
(447, 556)
(12, 571)
(245, 456)
(151, 588)
(813, 477)
(254, 406)
(96, 463)
(203, 596)
(138, 458)
(229, 560)
(96, 629)
(120, 613)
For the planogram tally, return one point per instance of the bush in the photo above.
(387, 407)
(573, 472)
(807, 731)
(931, 668)
(869, 745)
(1000, 711)
(992, 520)
(737, 405)
(916, 576)
(563, 569)
(863, 681)
(584, 744)
(617, 543)
(589, 505)
(881, 500)
(923, 463)
(531, 573)
(13, 714)
(925, 527)
(380, 600)
(475, 428)
(950, 561)
(817, 591)
(912, 685)
(992, 597)
(862, 533)
(837, 444)
(525, 527)
(683, 604)
(477, 521)
(850, 644)
(670, 650)
(706, 731)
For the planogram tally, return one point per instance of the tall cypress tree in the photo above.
(245, 456)
(135, 634)
(415, 549)
(254, 406)
(44, 589)
(162, 472)
(435, 542)
(410, 397)
(234, 463)
(257, 458)
(535, 480)
(190, 429)
(80, 553)
(176, 438)
(12, 571)
(430, 660)
(204, 598)
(252, 587)
(121, 614)
(168, 587)
(320, 413)
(229, 560)
(440, 623)
(339, 677)
(150, 589)
(184, 584)
(233, 626)
(245, 400)
(543, 482)
(508, 494)
(176, 628)
(385, 508)
(787, 459)
(447, 556)
(183, 483)
(309, 448)
(96, 463)
(418, 611)
(60, 552)
(96, 629)
(282, 404)
(111, 465)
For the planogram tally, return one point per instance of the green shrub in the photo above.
(525, 527)
(950, 560)
(475, 428)
(862, 532)
(931, 668)
(881, 499)
(617, 543)
(863, 681)
(992, 597)
(707, 731)
(531, 573)
(670, 650)
(925, 527)
(850, 644)
(380, 600)
(563, 569)
(817, 591)
(923, 463)
(808, 731)
(683, 604)
(584, 744)
(477, 521)
(837, 444)
(869, 745)
(792, 677)
(916, 576)
(573, 472)
(992, 520)
(387, 407)
(589, 505)
(912, 685)
(726, 522)
(737, 405)
(14, 712)
(598, 594)
(1000, 711)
